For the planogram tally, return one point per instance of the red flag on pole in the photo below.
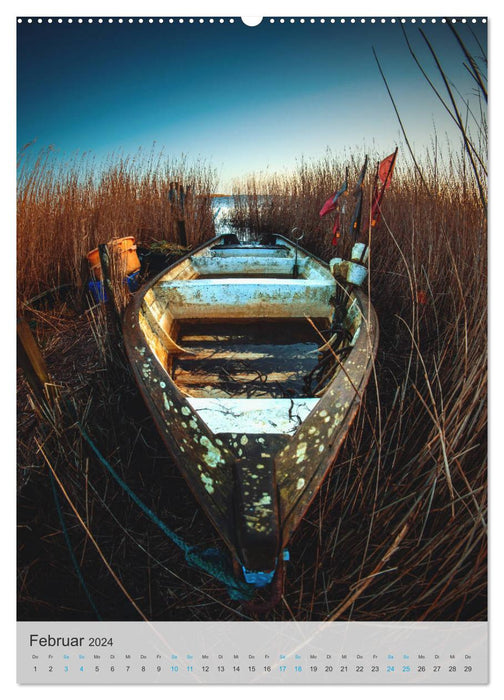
(336, 229)
(386, 168)
(332, 203)
(384, 175)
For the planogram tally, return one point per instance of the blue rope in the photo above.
(70, 548)
(212, 561)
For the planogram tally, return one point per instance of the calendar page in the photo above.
(251, 299)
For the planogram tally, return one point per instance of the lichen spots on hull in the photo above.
(208, 482)
(213, 456)
(258, 512)
(301, 452)
(168, 403)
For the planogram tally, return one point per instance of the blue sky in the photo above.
(242, 98)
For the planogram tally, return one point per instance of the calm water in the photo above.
(222, 207)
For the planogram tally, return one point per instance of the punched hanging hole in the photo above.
(251, 21)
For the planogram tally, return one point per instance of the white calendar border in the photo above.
(255, 8)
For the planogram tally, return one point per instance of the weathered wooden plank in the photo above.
(253, 416)
(304, 462)
(254, 488)
(256, 511)
(199, 377)
(203, 459)
(247, 298)
(31, 361)
(255, 502)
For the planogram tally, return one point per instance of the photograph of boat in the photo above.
(252, 323)
(254, 464)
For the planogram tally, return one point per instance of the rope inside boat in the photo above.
(212, 561)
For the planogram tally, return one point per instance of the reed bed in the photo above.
(65, 209)
(400, 525)
(398, 530)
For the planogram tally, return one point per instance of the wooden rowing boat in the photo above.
(252, 360)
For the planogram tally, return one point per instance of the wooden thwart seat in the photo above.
(247, 298)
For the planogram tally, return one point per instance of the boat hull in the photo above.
(254, 482)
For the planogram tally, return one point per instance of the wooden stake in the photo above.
(30, 359)
(182, 235)
(112, 309)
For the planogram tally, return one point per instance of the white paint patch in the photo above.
(300, 484)
(221, 297)
(214, 455)
(301, 452)
(356, 335)
(264, 501)
(253, 416)
(208, 482)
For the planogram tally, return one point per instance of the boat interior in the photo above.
(238, 328)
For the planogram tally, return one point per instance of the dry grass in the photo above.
(401, 523)
(398, 530)
(64, 210)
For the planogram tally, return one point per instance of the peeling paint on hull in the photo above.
(255, 486)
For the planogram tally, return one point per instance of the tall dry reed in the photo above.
(401, 523)
(65, 209)
(398, 530)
